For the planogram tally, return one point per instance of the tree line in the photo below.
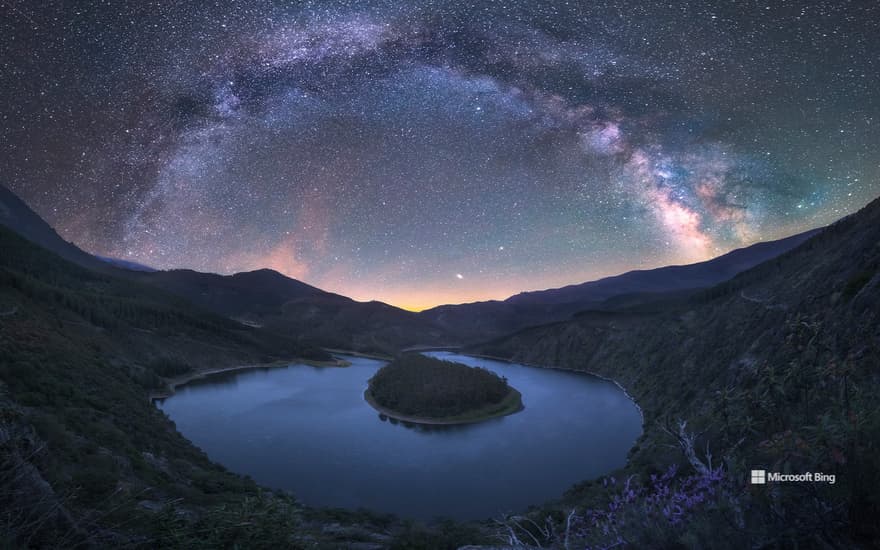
(419, 385)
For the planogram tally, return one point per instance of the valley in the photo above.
(439, 275)
(311, 431)
(776, 367)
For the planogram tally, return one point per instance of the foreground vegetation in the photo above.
(85, 459)
(418, 387)
(777, 369)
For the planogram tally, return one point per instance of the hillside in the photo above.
(268, 299)
(777, 368)
(262, 298)
(86, 460)
(16, 215)
(125, 264)
(271, 300)
(669, 278)
(482, 320)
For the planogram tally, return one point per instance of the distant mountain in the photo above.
(125, 264)
(19, 217)
(248, 294)
(86, 459)
(778, 367)
(269, 299)
(639, 287)
(262, 298)
(669, 278)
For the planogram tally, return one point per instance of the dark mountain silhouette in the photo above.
(669, 278)
(125, 264)
(262, 298)
(80, 442)
(268, 298)
(239, 295)
(777, 367)
(633, 288)
(19, 217)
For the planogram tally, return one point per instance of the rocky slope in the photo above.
(777, 368)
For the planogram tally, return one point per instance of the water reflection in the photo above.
(309, 430)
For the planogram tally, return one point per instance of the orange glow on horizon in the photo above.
(415, 296)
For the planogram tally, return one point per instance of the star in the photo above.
(359, 149)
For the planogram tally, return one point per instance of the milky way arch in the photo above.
(430, 153)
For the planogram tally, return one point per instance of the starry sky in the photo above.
(427, 152)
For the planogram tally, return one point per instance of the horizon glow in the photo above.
(433, 153)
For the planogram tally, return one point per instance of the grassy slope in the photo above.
(289, 307)
(85, 458)
(778, 368)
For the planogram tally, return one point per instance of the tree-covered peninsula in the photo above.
(418, 388)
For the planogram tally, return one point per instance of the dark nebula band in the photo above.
(424, 153)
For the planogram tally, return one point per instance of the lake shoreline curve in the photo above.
(511, 404)
(173, 383)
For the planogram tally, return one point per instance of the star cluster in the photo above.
(431, 152)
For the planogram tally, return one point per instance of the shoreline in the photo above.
(566, 369)
(173, 383)
(376, 356)
(504, 411)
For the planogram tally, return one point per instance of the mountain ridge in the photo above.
(778, 367)
(262, 297)
(696, 275)
(18, 216)
(125, 264)
(496, 317)
(265, 297)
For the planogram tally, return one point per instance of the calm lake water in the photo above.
(308, 430)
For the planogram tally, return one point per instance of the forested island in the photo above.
(422, 389)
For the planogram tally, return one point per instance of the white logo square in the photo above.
(759, 477)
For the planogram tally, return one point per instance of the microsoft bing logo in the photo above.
(759, 477)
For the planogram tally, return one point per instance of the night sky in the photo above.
(434, 152)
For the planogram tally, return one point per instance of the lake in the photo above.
(308, 430)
